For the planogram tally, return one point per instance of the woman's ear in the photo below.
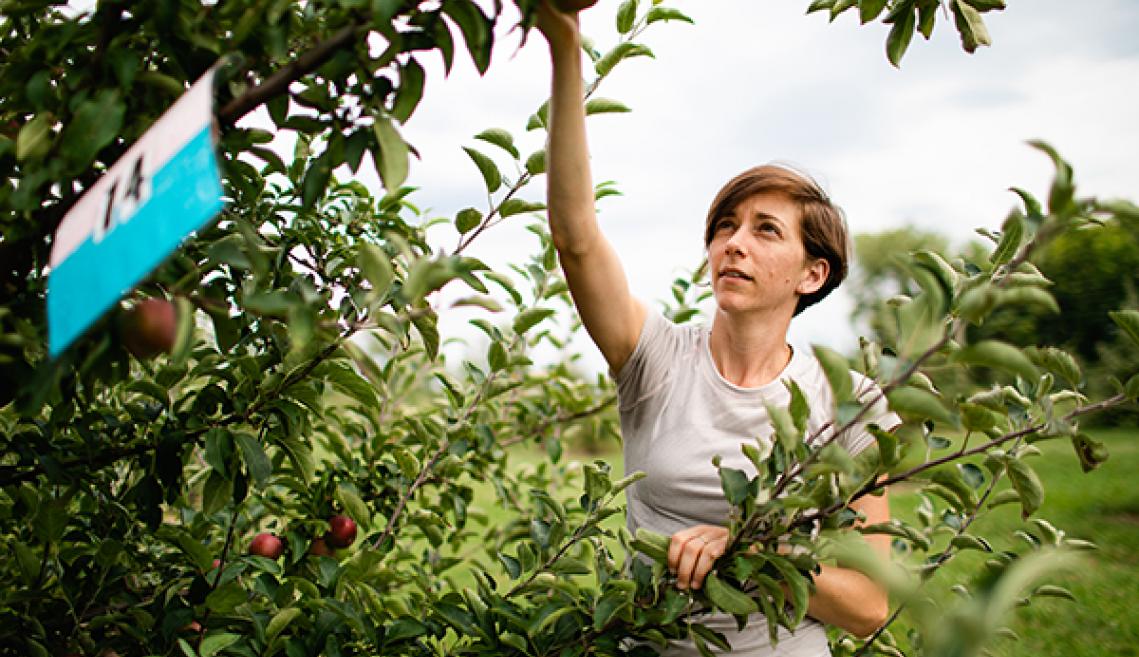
(814, 276)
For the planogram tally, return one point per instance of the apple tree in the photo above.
(263, 450)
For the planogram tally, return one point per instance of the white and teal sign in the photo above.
(167, 185)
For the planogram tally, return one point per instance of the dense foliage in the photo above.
(306, 386)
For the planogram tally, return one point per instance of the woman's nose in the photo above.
(734, 244)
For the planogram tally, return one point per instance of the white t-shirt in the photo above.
(678, 412)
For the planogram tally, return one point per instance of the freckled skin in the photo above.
(762, 239)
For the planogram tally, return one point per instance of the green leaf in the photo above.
(1012, 234)
(496, 356)
(467, 220)
(500, 138)
(349, 382)
(480, 301)
(1063, 188)
(353, 505)
(797, 583)
(411, 82)
(280, 621)
(868, 10)
(254, 456)
(1027, 485)
(659, 13)
(217, 492)
(490, 173)
(970, 26)
(711, 636)
(409, 466)
(605, 106)
(511, 564)
(1032, 206)
(918, 404)
(975, 304)
(34, 138)
(727, 597)
(1092, 453)
(95, 125)
(226, 598)
(150, 389)
(1128, 320)
(513, 206)
(390, 155)
(840, 6)
(998, 355)
(626, 16)
(476, 29)
(530, 317)
(972, 475)
(215, 643)
(316, 180)
(820, 5)
(607, 607)
(1053, 591)
(900, 35)
(536, 163)
(1007, 496)
(1028, 296)
(29, 563)
(50, 521)
(887, 446)
(376, 266)
(837, 371)
(621, 51)
(969, 542)
(735, 485)
(626, 481)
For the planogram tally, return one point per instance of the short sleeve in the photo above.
(649, 367)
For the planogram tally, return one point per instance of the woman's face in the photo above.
(756, 258)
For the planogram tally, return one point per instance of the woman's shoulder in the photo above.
(661, 347)
(667, 336)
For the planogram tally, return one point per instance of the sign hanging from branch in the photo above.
(167, 185)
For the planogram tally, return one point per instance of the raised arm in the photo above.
(593, 271)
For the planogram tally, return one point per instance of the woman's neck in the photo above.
(749, 351)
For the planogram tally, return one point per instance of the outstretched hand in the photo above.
(560, 27)
(691, 553)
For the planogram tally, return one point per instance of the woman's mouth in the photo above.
(733, 273)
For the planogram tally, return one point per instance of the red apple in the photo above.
(149, 328)
(341, 531)
(266, 545)
(192, 626)
(320, 548)
(570, 6)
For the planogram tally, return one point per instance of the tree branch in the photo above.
(278, 83)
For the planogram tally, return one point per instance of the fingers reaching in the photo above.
(693, 551)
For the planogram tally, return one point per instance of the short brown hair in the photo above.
(821, 222)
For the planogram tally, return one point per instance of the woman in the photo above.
(775, 245)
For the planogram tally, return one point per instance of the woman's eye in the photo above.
(723, 224)
(767, 227)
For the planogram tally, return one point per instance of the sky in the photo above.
(934, 145)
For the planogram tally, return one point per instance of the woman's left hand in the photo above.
(692, 552)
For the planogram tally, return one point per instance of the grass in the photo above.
(1101, 506)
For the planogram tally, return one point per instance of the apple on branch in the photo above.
(149, 328)
(341, 531)
(266, 545)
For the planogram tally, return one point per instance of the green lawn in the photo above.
(1102, 506)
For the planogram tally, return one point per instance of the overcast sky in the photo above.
(935, 144)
